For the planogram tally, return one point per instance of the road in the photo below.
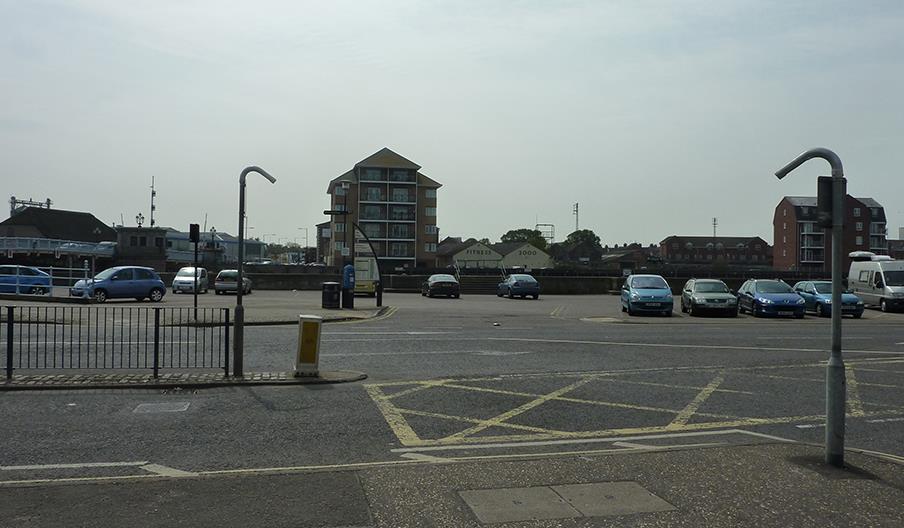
(478, 377)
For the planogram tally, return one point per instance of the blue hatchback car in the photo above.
(646, 294)
(518, 285)
(24, 279)
(770, 297)
(121, 282)
(818, 298)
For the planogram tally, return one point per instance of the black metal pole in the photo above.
(226, 347)
(9, 342)
(156, 342)
(195, 289)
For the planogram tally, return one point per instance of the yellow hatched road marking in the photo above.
(396, 421)
(686, 413)
(855, 404)
(480, 422)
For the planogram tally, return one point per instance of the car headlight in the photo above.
(635, 297)
(801, 301)
(764, 300)
(699, 300)
(732, 301)
(898, 295)
(828, 301)
(859, 303)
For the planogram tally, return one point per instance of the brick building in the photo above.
(801, 245)
(731, 251)
(395, 206)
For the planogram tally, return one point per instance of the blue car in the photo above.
(646, 294)
(770, 297)
(818, 298)
(121, 282)
(519, 285)
(24, 279)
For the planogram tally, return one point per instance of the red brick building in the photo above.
(732, 251)
(801, 245)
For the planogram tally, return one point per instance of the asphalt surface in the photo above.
(477, 378)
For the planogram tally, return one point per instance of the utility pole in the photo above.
(576, 216)
(153, 195)
(715, 223)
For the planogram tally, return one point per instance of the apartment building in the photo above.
(802, 245)
(735, 251)
(393, 203)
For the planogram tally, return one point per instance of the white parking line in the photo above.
(72, 466)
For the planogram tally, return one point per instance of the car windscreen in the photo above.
(710, 287)
(442, 278)
(773, 287)
(524, 278)
(894, 278)
(823, 287)
(187, 272)
(649, 283)
(228, 275)
(106, 274)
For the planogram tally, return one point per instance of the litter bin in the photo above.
(330, 295)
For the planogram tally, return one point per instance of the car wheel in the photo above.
(248, 291)
(36, 290)
(217, 292)
(536, 297)
(623, 309)
(683, 307)
(858, 315)
(100, 295)
(820, 311)
(630, 310)
(753, 310)
(457, 295)
(498, 293)
(734, 313)
(511, 295)
(883, 306)
(429, 294)
(156, 295)
(691, 311)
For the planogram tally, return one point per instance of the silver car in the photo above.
(184, 280)
(227, 280)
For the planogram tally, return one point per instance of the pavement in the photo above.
(483, 411)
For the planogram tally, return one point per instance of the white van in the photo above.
(877, 279)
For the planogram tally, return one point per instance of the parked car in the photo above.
(702, 295)
(227, 281)
(646, 294)
(121, 282)
(878, 280)
(818, 298)
(24, 279)
(519, 285)
(441, 284)
(770, 297)
(184, 281)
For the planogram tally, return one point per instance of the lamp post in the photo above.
(139, 219)
(238, 342)
(835, 376)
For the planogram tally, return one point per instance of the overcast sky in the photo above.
(654, 116)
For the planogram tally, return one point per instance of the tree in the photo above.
(531, 236)
(583, 236)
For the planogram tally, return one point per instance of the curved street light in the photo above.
(835, 375)
(238, 343)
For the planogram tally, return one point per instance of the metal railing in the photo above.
(51, 245)
(100, 338)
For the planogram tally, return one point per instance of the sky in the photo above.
(654, 116)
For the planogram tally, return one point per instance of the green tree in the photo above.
(531, 236)
(583, 236)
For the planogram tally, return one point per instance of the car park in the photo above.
(646, 294)
(818, 298)
(184, 281)
(441, 284)
(24, 279)
(708, 295)
(121, 282)
(227, 281)
(518, 285)
(770, 297)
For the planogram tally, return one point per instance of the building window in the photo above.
(372, 212)
(340, 207)
(430, 211)
(430, 247)
(372, 175)
(339, 245)
(158, 241)
(143, 241)
(169, 243)
(784, 253)
(133, 241)
(430, 229)
(340, 228)
(398, 249)
(400, 195)
(784, 226)
(340, 190)
(804, 210)
(857, 212)
(784, 240)
(372, 230)
(373, 194)
(430, 193)
(784, 212)
(859, 226)
(874, 211)
(858, 241)
(400, 175)
(399, 231)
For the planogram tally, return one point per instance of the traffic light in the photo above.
(194, 233)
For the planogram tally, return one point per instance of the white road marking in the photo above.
(542, 443)
(424, 458)
(38, 467)
(385, 333)
(161, 407)
(167, 471)
(809, 426)
(680, 346)
(883, 420)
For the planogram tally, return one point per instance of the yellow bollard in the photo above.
(307, 361)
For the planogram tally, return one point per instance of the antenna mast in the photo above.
(153, 195)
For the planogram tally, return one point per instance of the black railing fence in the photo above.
(98, 338)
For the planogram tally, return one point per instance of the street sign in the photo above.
(335, 212)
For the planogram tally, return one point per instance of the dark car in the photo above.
(441, 284)
(770, 297)
(708, 295)
(519, 285)
(818, 298)
(227, 281)
(24, 279)
(121, 282)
